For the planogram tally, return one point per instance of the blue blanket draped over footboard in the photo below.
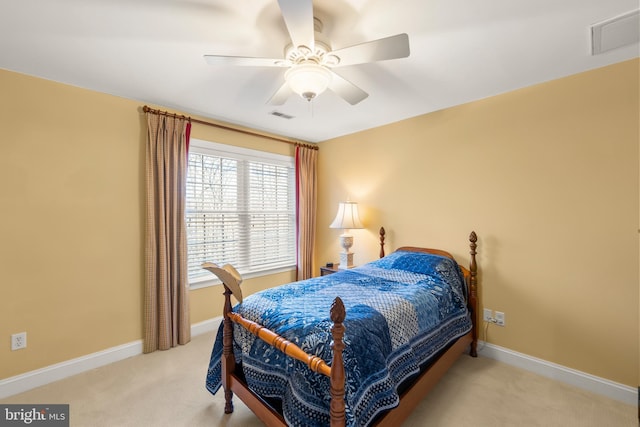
(401, 311)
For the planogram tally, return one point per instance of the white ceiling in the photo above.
(152, 51)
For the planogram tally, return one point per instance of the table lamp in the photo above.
(347, 218)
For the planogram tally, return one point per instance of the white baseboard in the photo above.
(206, 326)
(39, 377)
(560, 373)
(49, 374)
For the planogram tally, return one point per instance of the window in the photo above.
(240, 209)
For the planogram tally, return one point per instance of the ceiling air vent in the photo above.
(616, 32)
(279, 114)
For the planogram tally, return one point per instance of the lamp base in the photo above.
(346, 260)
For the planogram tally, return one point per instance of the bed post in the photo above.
(473, 293)
(382, 233)
(228, 358)
(337, 408)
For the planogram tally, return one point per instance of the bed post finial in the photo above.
(473, 292)
(337, 407)
(382, 233)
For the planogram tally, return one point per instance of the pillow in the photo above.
(415, 262)
(441, 267)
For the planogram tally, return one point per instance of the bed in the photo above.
(394, 327)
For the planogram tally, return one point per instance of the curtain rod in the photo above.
(147, 109)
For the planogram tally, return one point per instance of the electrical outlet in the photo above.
(499, 318)
(18, 341)
(487, 315)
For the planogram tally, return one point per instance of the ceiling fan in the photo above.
(310, 61)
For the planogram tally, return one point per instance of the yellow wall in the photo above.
(72, 215)
(548, 178)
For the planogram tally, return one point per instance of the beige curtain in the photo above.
(306, 185)
(166, 299)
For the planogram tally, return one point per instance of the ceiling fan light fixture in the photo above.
(308, 79)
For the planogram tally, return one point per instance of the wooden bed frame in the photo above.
(409, 399)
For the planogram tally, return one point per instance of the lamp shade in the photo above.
(347, 216)
(308, 79)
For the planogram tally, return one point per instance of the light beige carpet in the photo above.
(167, 389)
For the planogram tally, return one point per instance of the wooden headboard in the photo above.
(466, 271)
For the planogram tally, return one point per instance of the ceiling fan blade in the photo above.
(376, 50)
(245, 61)
(298, 17)
(281, 95)
(346, 90)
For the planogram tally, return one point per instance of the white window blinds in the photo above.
(240, 209)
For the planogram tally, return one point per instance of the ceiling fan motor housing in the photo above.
(320, 54)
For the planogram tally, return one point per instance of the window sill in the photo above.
(206, 282)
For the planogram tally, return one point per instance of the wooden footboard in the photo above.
(233, 383)
(315, 363)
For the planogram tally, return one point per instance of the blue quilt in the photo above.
(401, 311)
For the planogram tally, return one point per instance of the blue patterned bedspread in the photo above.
(401, 310)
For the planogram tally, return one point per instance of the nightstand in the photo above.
(325, 270)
